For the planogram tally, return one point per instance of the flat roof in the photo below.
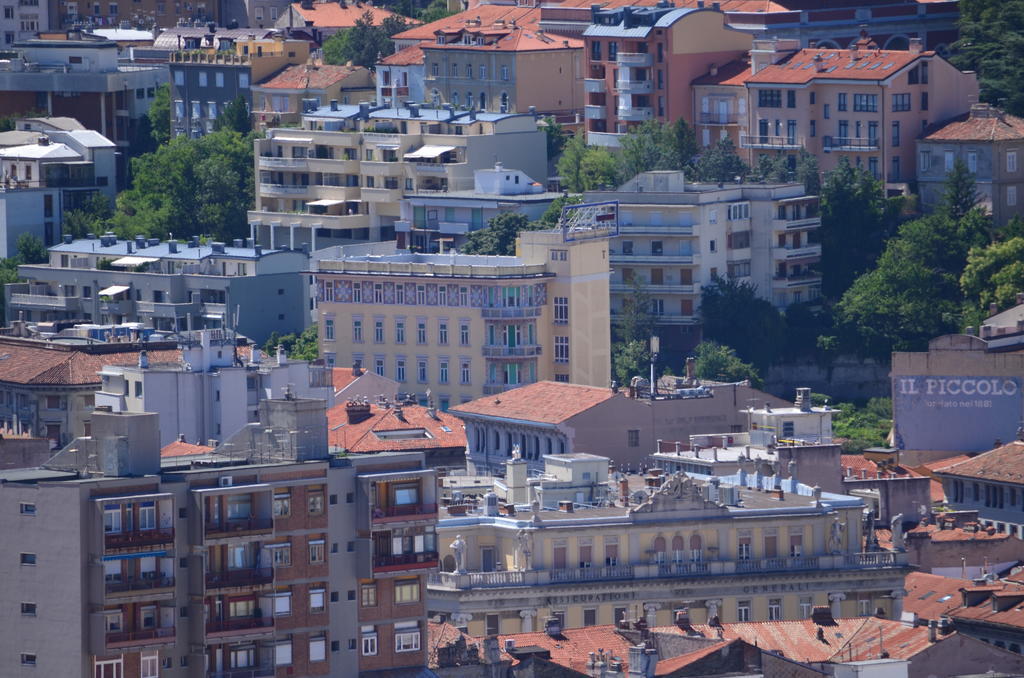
(425, 114)
(158, 251)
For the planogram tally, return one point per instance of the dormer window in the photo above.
(440, 39)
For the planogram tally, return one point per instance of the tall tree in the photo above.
(720, 163)
(994, 274)
(960, 194)
(807, 172)
(554, 134)
(31, 249)
(631, 352)
(598, 168)
(716, 362)
(992, 44)
(570, 164)
(734, 315)
(92, 216)
(159, 115)
(365, 43)
(500, 235)
(650, 145)
(685, 141)
(852, 227)
(435, 11)
(235, 117)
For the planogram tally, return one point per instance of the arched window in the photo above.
(696, 548)
(677, 549)
(483, 101)
(504, 102)
(455, 99)
(659, 549)
(448, 564)
(469, 100)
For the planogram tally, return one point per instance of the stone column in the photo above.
(651, 610)
(527, 616)
(835, 599)
(712, 606)
(897, 603)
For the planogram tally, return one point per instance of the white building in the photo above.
(22, 20)
(214, 391)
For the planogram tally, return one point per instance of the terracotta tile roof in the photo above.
(848, 639)
(800, 68)
(936, 492)
(362, 438)
(333, 15)
(943, 463)
(36, 363)
(342, 377)
(309, 76)
(182, 449)
(666, 667)
(1006, 610)
(980, 124)
(1004, 463)
(930, 596)
(852, 465)
(513, 39)
(573, 647)
(410, 56)
(440, 635)
(546, 402)
(732, 73)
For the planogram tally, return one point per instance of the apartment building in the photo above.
(401, 77)
(55, 171)
(864, 104)
(161, 14)
(456, 327)
(434, 222)
(270, 558)
(720, 102)
(282, 98)
(339, 178)
(990, 484)
(633, 53)
(72, 74)
(988, 141)
(213, 390)
(206, 79)
(320, 19)
(677, 236)
(23, 20)
(730, 549)
(168, 286)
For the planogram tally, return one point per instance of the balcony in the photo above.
(792, 253)
(770, 142)
(575, 574)
(160, 309)
(525, 351)
(133, 585)
(144, 637)
(307, 221)
(139, 538)
(390, 195)
(392, 514)
(239, 527)
(270, 162)
(627, 288)
(394, 91)
(595, 86)
(272, 190)
(850, 144)
(45, 302)
(635, 114)
(239, 626)
(513, 313)
(251, 672)
(634, 86)
(796, 279)
(333, 165)
(792, 224)
(121, 307)
(654, 259)
(592, 112)
(405, 561)
(241, 578)
(719, 119)
(634, 59)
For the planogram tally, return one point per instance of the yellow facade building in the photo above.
(746, 547)
(465, 326)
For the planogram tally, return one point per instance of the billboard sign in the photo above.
(956, 413)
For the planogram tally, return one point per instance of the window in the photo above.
(282, 555)
(357, 331)
(841, 102)
(590, 617)
(378, 331)
(806, 607)
(202, 79)
(27, 508)
(28, 659)
(561, 310)
(442, 371)
(774, 609)
(743, 549)
(613, 50)
(464, 372)
(28, 559)
(866, 103)
(317, 601)
(407, 591)
(421, 371)
(739, 211)
(864, 607)
(150, 665)
(317, 649)
(633, 437)
(924, 101)
(483, 72)
(329, 329)
(791, 98)
(900, 103)
(282, 504)
(1011, 161)
(925, 161)
(769, 98)
(368, 595)
(972, 162)
(28, 609)
(743, 611)
(399, 331)
(316, 551)
(315, 501)
(504, 72)
(464, 334)
(408, 641)
(179, 78)
(283, 653)
(595, 50)
(492, 624)
(561, 349)
(421, 332)
(896, 133)
(948, 157)
(1011, 195)
(400, 369)
(442, 332)
(282, 604)
(369, 641)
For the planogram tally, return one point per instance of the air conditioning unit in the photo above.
(510, 644)
(224, 481)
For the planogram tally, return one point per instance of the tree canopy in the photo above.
(500, 235)
(720, 163)
(159, 115)
(93, 216)
(632, 330)
(716, 362)
(235, 117)
(298, 347)
(993, 275)
(992, 44)
(585, 168)
(31, 249)
(732, 312)
(365, 43)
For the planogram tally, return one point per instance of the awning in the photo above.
(428, 152)
(387, 147)
(297, 140)
(324, 203)
(113, 290)
(133, 261)
(131, 556)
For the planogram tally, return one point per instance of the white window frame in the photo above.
(283, 653)
(318, 649)
(368, 642)
(407, 641)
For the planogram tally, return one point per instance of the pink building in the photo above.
(864, 103)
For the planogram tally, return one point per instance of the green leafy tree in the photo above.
(365, 43)
(685, 141)
(585, 168)
(31, 249)
(807, 172)
(235, 117)
(570, 163)
(992, 44)
(554, 211)
(435, 11)
(555, 135)
(716, 362)
(771, 168)
(993, 275)
(630, 359)
(861, 427)
(734, 315)
(720, 163)
(93, 216)
(303, 346)
(159, 115)
(853, 227)
(960, 194)
(635, 321)
(8, 275)
(648, 146)
(204, 185)
(500, 235)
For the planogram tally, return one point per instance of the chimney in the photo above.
(993, 308)
(803, 399)
(68, 238)
(553, 627)
(933, 631)
(565, 506)
(822, 616)
(143, 359)
(624, 491)
(181, 437)
(357, 411)
(915, 46)
(683, 620)
(172, 246)
(691, 368)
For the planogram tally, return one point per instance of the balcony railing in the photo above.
(634, 59)
(139, 584)
(514, 312)
(251, 672)
(239, 624)
(402, 560)
(529, 351)
(718, 118)
(121, 540)
(850, 144)
(769, 141)
(249, 576)
(239, 525)
(592, 573)
(140, 637)
(384, 513)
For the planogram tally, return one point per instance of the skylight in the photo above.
(404, 434)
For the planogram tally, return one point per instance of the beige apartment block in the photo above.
(575, 544)
(458, 327)
(339, 179)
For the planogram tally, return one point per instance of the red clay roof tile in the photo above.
(978, 125)
(309, 76)
(545, 402)
(424, 431)
(835, 64)
(1004, 464)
